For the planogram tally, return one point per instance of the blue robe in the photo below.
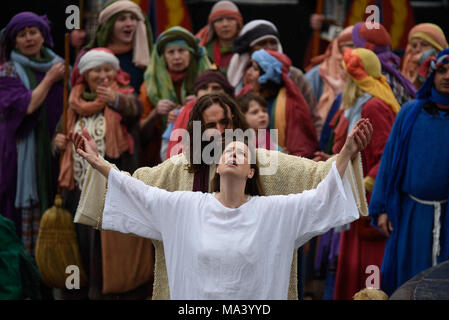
(415, 161)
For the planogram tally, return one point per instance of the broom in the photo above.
(57, 245)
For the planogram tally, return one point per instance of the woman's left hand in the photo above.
(358, 138)
(106, 94)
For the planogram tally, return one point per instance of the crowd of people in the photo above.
(356, 105)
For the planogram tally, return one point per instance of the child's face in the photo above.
(257, 116)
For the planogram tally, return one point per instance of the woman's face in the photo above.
(211, 87)
(235, 161)
(177, 58)
(419, 45)
(226, 28)
(124, 28)
(267, 44)
(256, 116)
(252, 74)
(103, 75)
(29, 42)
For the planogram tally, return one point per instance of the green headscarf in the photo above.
(157, 79)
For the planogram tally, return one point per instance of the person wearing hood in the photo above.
(424, 40)
(224, 25)
(262, 34)
(31, 96)
(409, 203)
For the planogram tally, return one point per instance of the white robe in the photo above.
(215, 252)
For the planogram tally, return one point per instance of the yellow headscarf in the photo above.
(365, 69)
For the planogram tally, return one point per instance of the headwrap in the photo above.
(158, 82)
(143, 38)
(298, 135)
(425, 92)
(331, 67)
(97, 57)
(19, 22)
(118, 140)
(386, 196)
(379, 41)
(220, 10)
(251, 33)
(364, 68)
(270, 65)
(209, 76)
(429, 32)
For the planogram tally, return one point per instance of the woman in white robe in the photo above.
(228, 244)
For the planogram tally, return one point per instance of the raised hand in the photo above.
(55, 73)
(164, 106)
(358, 138)
(85, 146)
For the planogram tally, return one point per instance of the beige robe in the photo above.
(284, 174)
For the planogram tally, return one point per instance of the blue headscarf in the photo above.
(393, 165)
(270, 65)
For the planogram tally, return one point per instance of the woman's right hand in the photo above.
(55, 73)
(85, 146)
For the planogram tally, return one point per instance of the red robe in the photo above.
(362, 245)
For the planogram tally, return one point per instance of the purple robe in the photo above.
(15, 124)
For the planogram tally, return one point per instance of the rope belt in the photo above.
(436, 225)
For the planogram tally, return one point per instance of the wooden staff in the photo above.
(66, 93)
(316, 33)
(66, 83)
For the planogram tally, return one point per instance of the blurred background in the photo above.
(292, 17)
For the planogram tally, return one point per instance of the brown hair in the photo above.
(237, 119)
(253, 185)
(244, 101)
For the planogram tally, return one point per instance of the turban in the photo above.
(251, 33)
(209, 76)
(364, 68)
(426, 89)
(19, 22)
(379, 41)
(375, 39)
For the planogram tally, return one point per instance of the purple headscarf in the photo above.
(19, 22)
(379, 41)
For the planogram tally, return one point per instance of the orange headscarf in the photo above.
(118, 140)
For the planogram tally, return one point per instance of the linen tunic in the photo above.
(215, 252)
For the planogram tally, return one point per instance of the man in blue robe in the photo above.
(409, 200)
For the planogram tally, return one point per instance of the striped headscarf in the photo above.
(429, 32)
(221, 9)
(251, 33)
